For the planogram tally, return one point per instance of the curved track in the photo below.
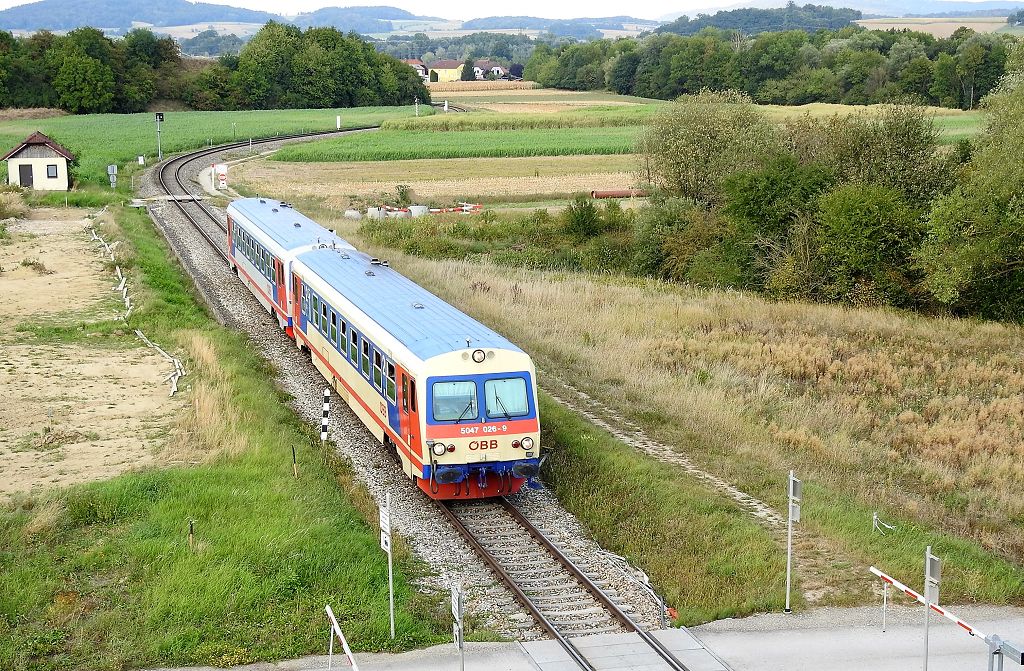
(557, 593)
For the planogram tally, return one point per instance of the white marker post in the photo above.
(795, 495)
(385, 544)
(458, 607)
(337, 122)
(932, 578)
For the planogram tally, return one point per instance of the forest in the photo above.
(280, 67)
(751, 21)
(793, 67)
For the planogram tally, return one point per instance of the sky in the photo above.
(468, 9)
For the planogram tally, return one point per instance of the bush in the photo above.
(708, 250)
(657, 221)
(12, 205)
(581, 218)
(867, 234)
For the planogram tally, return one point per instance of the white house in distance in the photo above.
(39, 163)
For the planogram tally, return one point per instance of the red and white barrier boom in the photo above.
(336, 632)
(997, 646)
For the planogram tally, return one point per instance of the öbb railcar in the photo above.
(454, 401)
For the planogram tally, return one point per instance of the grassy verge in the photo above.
(103, 576)
(101, 139)
(708, 559)
(405, 144)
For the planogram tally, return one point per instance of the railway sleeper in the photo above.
(571, 613)
(577, 629)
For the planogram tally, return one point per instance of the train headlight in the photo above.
(479, 356)
(438, 449)
(527, 443)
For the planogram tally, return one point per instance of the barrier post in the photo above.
(323, 418)
(794, 498)
(336, 632)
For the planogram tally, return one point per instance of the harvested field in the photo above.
(938, 27)
(469, 87)
(72, 411)
(14, 113)
(438, 180)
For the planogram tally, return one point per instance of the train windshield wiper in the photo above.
(462, 414)
(498, 399)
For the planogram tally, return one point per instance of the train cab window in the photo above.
(405, 394)
(366, 359)
(506, 398)
(389, 384)
(455, 401)
(334, 327)
(376, 370)
(353, 348)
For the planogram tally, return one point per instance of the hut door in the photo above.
(25, 175)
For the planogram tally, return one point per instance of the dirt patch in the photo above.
(70, 412)
(49, 268)
(73, 414)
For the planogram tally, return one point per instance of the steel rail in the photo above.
(595, 591)
(517, 592)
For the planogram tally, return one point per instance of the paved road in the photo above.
(850, 639)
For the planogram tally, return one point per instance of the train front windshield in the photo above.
(455, 401)
(506, 398)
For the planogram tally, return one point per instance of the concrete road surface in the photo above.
(851, 639)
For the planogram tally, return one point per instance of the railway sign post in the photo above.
(458, 607)
(796, 488)
(932, 579)
(112, 173)
(385, 544)
(159, 151)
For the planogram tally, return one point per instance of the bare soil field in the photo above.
(17, 114)
(939, 27)
(438, 180)
(71, 411)
(475, 86)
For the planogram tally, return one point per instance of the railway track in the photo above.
(564, 601)
(556, 591)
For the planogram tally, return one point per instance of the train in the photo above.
(452, 400)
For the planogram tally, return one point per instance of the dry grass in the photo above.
(12, 205)
(210, 428)
(463, 87)
(916, 415)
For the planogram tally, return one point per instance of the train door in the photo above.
(297, 305)
(231, 235)
(409, 415)
(280, 289)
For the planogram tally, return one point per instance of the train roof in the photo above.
(425, 324)
(285, 225)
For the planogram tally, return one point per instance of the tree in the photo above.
(697, 142)
(264, 64)
(84, 85)
(972, 258)
(468, 73)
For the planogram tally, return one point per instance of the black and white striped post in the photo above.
(327, 412)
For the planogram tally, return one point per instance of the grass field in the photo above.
(102, 139)
(102, 576)
(587, 117)
(393, 145)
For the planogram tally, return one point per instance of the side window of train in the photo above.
(376, 369)
(343, 341)
(316, 310)
(323, 317)
(405, 394)
(389, 389)
(366, 359)
(305, 301)
(334, 327)
(353, 348)
(412, 395)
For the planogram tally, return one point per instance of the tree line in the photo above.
(280, 67)
(751, 21)
(850, 65)
(863, 209)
